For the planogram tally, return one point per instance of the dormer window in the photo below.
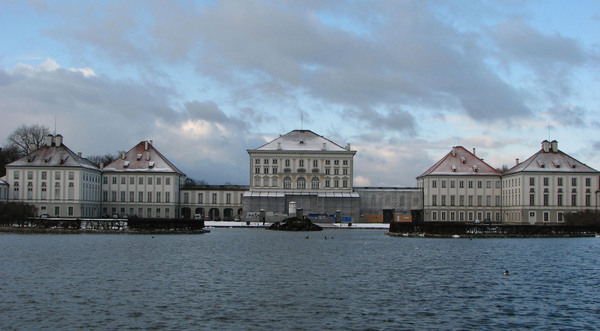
(139, 156)
(126, 164)
(151, 164)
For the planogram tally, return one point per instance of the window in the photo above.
(114, 180)
(266, 161)
(546, 216)
(214, 198)
(274, 161)
(336, 183)
(266, 170)
(560, 181)
(461, 184)
(488, 184)
(434, 200)
(315, 183)
(559, 200)
(480, 200)
(140, 196)
(167, 181)
(461, 216)
(287, 183)
(44, 174)
(149, 180)
(301, 184)
(56, 211)
(256, 161)
(16, 175)
(443, 200)
(167, 196)
(470, 184)
(287, 163)
(345, 171)
(497, 184)
(186, 197)
(546, 181)
(336, 171)
(327, 162)
(57, 175)
(257, 170)
(344, 183)
(479, 184)
(149, 196)
(141, 180)
(327, 183)
(452, 184)
(104, 195)
(574, 181)
(301, 163)
(315, 163)
(336, 162)
(434, 216)
(470, 199)
(443, 184)
(158, 180)
(461, 200)
(452, 200)
(488, 200)
(588, 182)
(29, 174)
(200, 196)
(157, 212)
(588, 200)
(70, 211)
(228, 196)
(113, 196)
(574, 200)
(274, 171)
(559, 217)
(531, 181)
(452, 216)
(443, 215)
(104, 179)
(532, 199)
(131, 196)
(122, 196)
(157, 196)
(546, 199)
(434, 183)
(345, 162)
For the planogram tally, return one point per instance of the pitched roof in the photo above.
(143, 157)
(301, 140)
(550, 159)
(460, 161)
(54, 154)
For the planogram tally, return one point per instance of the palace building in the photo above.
(304, 168)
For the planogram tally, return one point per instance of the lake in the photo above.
(334, 279)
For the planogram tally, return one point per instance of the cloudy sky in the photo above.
(402, 81)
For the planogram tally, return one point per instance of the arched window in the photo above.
(301, 183)
(287, 182)
(274, 181)
(315, 183)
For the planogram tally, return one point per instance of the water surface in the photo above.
(258, 279)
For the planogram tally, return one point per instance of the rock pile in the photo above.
(295, 224)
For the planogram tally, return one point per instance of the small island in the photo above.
(295, 224)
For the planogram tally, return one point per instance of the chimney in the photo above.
(49, 139)
(554, 145)
(517, 161)
(348, 147)
(474, 150)
(147, 156)
(123, 155)
(546, 146)
(151, 141)
(58, 140)
(146, 145)
(79, 154)
(453, 151)
(101, 165)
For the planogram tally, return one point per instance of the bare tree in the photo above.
(26, 136)
(104, 159)
(7, 155)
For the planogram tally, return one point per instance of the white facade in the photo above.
(58, 182)
(4, 191)
(461, 187)
(546, 186)
(141, 182)
(304, 168)
(214, 202)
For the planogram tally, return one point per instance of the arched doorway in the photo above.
(228, 214)
(186, 212)
(200, 211)
(213, 214)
